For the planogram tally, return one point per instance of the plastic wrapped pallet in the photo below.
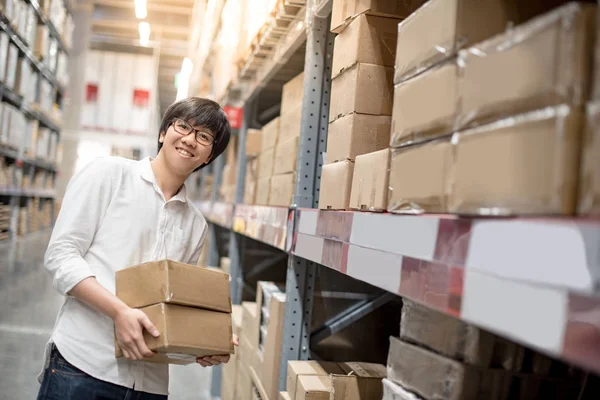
(544, 62)
(391, 391)
(433, 376)
(589, 182)
(490, 177)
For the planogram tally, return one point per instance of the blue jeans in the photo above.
(62, 381)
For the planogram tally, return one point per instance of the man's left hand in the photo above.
(211, 361)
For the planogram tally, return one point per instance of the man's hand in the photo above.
(216, 360)
(129, 329)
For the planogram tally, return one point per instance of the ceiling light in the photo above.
(144, 29)
(140, 9)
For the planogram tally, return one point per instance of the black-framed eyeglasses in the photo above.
(184, 129)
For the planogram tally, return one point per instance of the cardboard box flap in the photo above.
(370, 181)
(336, 185)
(313, 387)
(364, 370)
(300, 368)
(173, 282)
(345, 12)
(544, 62)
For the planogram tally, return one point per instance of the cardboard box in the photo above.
(370, 181)
(229, 175)
(361, 381)
(284, 396)
(415, 116)
(250, 192)
(545, 62)
(11, 66)
(363, 89)
(589, 186)
(249, 318)
(419, 178)
(282, 190)
(168, 281)
(225, 264)
(356, 134)
(243, 388)
(435, 377)
(260, 392)
(491, 178)
(313, 387)
(291, 124)
(285, 156)
(263, 189)
(336, 185)
(272, 355)
(440, 28)
(253, 142)
(303, 368)
(179, 342)
(345, 11)
(391, 391)
(368, 39)
(248, 353)
(292, 93)
(270, 135)
(229, 378)
(266, 163)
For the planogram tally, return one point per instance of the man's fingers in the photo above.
(222, 359)
(149, 326)
(201, 362)
(143, 348)
(236, 340)
(126, 354)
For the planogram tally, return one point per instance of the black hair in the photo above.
(200, 112)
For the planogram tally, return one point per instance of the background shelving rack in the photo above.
(533, 280)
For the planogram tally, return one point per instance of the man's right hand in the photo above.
(129, 329)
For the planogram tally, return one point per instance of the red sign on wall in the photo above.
(141, 98)
(235, 116)
(91, 93)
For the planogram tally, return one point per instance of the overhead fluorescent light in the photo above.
(184, 79)
(140, 9)
(144, 29)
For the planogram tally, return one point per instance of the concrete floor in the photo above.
(28, 308)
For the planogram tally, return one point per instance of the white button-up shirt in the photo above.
(114, 216)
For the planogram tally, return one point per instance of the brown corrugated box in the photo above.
(290, 124)
(243, 389)
(361, 381)
(249, 321)
(269, 373)
(270, 134)
(545, 62)
(282, 190)
(370, 181)
(436, 377)
(250, 192)
(336, 185)
(263, 189)
(356, 134)
(230, 369)
(368, 39)
(419, 178)
(258, 386)
(285, 156)
(168, 281)
(527, 164)
(284, 396)
(253, 142)
(589, 184)
(292, 93)
(313, 387)
(345, 11)
(179, 342)
(392, 391)
(302, 368)
(266, 163)
(440, 28)
(416, 115)
(363, 89)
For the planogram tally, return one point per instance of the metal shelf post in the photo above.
(213, 251)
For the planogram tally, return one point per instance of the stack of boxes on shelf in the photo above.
(6, 173)
(4, 221)
(440, 357)
(227, 189)
(266, 161)
(13, 126)
(253, 148)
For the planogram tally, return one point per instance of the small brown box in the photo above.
(336, 185)
(356, 134)
(370, 181)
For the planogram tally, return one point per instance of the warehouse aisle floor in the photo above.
(28, 308)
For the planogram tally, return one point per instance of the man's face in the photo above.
(186, 147)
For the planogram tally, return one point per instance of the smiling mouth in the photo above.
(184, 153)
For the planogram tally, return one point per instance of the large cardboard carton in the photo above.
(168, 281)
(440, 28)
(253, 142)
(272, 354)
(266, 163)
(249, 321)
(302, 368)
(243, 389)
(263, 189)
(368, 39)
(589, 183)
(270, 135)
(282, 190)
(292, 93)
(230, 369)
(545, 62)
(419, 178)
(436, 377)
(356, 134)
(346, 11)
(248, 353)
(491, 178)
(415, 116)
(336, 185)
(291, 124)
(363, 89)
(391, 391)
(179, 342)
(285, 156)
(313, 387)
(361, 381)
(259, 391)
(370, 181)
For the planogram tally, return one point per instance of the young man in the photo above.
(117, 213)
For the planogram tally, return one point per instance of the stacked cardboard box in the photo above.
(4, 221)
(453, 154)
(180, 300)
(253, 148)
(229, 180)
(361, 106)
(266, 161)
(230, 370)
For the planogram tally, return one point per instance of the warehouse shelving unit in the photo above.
(533, 280)
(26, 166)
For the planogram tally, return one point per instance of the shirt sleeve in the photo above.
(195, 258)
(84, 205)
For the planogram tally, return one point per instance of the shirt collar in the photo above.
(148, 175)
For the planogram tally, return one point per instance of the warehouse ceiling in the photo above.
(115, 26)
